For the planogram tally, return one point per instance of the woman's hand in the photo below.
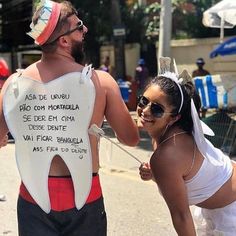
(145, 172)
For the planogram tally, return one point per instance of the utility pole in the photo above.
(141, 2)
(119, 36)
(165, 28)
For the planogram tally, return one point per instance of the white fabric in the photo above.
(216, 222)
(214, 155)
(224, 10)
(48, 119)
(208, 180)
(206, 129)
(174, 78)
(164, 70)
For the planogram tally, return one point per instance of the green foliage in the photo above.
(97, 18)
(141, 22)
(133, 19)
(187, 19)
(152, 20)
(35, 3)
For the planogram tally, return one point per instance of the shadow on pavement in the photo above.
(145, 140)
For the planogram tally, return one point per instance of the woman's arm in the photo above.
(168, 171)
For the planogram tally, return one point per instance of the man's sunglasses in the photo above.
(79, 26)
(156, 110)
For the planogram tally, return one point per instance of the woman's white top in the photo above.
(208, 179)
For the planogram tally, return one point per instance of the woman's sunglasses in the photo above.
(156, 110)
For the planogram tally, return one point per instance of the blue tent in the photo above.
(226, 48)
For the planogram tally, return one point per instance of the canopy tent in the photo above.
(222, 15)
(226, 48)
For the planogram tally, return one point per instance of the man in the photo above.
(50, 108)
(200, 71)
(106, 65)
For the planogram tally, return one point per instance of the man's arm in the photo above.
(3, 125)
(117, 113)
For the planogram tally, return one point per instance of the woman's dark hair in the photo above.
(171, 89)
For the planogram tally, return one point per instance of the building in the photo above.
(15, 17)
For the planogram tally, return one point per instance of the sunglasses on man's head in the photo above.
(79, 26)
(156, 109)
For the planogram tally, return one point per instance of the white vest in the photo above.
(48, 119)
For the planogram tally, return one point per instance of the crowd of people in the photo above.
(60, 191)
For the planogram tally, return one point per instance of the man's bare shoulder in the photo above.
(104, 78)
(103, 75)
(9, 79)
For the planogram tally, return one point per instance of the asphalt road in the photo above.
(133, 207)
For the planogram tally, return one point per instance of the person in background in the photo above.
(200, 71)
(187, 168)
(54, 109)
(106, 66)
(141, 75)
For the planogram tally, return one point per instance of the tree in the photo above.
(187, 19)
(96, 17)
(16, 17)
(143, 21)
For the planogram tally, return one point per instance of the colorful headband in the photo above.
(46, 23)
(209, 152)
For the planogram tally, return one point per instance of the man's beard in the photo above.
(77, 52)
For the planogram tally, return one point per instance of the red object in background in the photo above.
(4, 71)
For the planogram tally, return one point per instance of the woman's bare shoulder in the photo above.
(167, 159)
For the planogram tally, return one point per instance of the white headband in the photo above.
(165, 71)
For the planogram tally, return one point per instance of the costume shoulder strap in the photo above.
(86, 73)
(15, 81)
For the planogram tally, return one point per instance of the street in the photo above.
(133, 207)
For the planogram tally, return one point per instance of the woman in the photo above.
(187, 168)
